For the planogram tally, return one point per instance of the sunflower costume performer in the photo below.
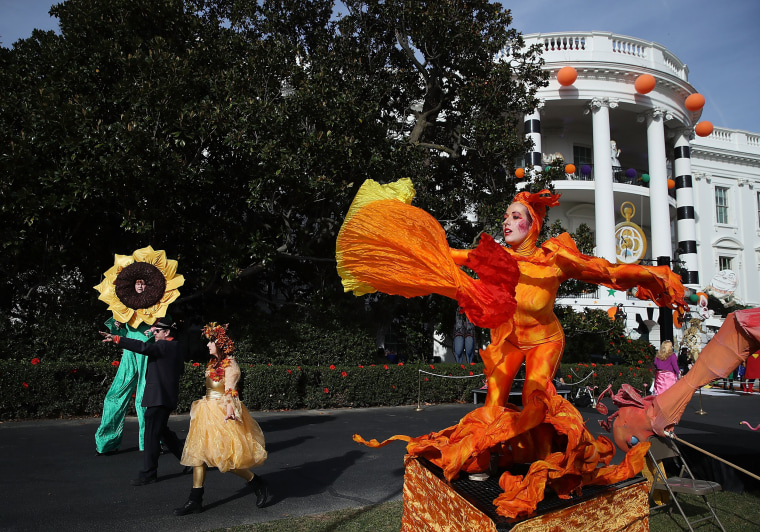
(138, 290)
(387, 245)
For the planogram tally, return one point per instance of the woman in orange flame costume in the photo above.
(387, 245)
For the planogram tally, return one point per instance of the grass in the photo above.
(737, 512)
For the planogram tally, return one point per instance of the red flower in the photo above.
(393, 386)
(385, 366)
(400, 363)
(640, 362)
(621, 374)
(289, 372)
(72, 371)
(25, 385)
(471, 373)
(472, 363)
(267, 364)
(115, 363)
(35, 361)
(299, 368)
(196, 364)
(343, 374)
(332, 366)
(593, 365)
(327, 390)
(361, 366)
(426, 379)
(461, 366)
(594, 374)
(432, 366)
(629, 340)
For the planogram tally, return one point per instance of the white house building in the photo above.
(637, 162)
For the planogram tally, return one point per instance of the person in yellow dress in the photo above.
(222, 432)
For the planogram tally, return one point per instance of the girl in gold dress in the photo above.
(222, 433)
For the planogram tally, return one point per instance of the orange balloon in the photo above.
(567, 76)
(645, 83)
(704, 128)
(695, 102)
(671, 184)
(570, 168)
(520, 173)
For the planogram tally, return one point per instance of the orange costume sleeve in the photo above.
(655, 283)
(389, 246)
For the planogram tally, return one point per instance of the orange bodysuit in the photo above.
(387, 245)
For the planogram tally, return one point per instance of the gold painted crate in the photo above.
(434, 505)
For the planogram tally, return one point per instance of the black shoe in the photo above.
(142, 481)
(190, 507)
(260, 487)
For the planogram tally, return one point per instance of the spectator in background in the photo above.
(666, 368)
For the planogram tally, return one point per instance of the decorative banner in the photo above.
(630, 241)
(644, 83)
(567, 76)
(695, 102)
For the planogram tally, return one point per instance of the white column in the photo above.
(604, 202)
(686, 226)
(658, 184)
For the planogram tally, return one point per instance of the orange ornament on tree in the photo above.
(567, 76)
(704, 128)
(695, 102)
(645, 83)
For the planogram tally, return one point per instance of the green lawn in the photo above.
(737, 512)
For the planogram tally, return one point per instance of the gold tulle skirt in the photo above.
(222, 444)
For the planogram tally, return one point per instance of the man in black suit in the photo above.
(165, 366)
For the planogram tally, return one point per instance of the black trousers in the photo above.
(156, 431)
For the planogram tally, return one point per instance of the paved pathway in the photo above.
(52, 479)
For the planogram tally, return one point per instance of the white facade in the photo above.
(655, 135)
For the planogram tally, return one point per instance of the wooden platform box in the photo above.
(433, 504)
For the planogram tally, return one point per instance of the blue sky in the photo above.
(716, 39)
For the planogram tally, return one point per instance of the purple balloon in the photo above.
(630, 173)
(585, 169)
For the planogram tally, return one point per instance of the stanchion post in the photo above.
(700, 411)
(419, 391)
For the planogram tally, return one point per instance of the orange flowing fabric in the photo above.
(387, 245)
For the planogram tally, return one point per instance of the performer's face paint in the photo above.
(516, 224)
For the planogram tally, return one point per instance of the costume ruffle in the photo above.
(387, 245)
(549, 434)
(222, 444)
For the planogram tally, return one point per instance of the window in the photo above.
(721, 205)
(724, 263)
(582, 155)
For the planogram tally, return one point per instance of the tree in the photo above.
(234, 134)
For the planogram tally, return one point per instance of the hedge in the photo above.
(34, 389)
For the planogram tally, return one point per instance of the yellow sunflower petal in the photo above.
(170, 269)
(175, 282)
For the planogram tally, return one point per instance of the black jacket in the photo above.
(165, 366)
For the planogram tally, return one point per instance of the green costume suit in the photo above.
(129, 380)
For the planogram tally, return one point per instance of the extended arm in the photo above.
(231, 399)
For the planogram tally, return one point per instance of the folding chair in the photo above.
(663, 449)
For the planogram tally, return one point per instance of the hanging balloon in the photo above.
(644, 83)
(704, 128)
(693, 298)
(520, 173)
(645, 178)
(586, 169)
(547, 168)
(695, 102)
(570, 168)
(567, 76)
(630, 173)
(671, 184)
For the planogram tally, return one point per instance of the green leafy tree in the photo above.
(234, 135)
